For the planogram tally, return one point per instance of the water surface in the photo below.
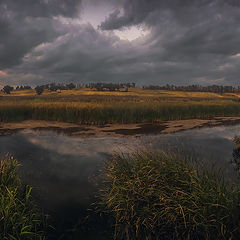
(63, 170)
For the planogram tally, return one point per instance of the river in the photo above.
(64, 170)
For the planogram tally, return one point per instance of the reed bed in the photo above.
(19, 216)
(103, 112)
(158, 195)
(136, 106)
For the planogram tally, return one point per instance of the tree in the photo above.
(39, 90)
(71, 86)
(7, 89)
(52, 87)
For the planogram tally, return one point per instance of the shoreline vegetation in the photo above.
(164, 195)
(144, 195)
(19, 216)
(91, 107)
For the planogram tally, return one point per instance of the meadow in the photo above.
(85, 106)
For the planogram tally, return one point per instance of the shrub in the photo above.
(19, 217)
(7, 89)
(165, 196)
(39, 90)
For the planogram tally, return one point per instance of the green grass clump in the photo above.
(19, 217)
(165, 196)
(236, 140)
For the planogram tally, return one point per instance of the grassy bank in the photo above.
(19, 217)
(164, 196)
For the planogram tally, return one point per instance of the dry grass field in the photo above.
(87, 106)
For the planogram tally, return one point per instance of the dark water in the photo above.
(63, 170)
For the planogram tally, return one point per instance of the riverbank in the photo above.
(73, 129)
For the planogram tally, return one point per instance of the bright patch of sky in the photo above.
(3, 73)
(131, 33)
(97, 13)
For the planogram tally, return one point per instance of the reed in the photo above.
(115, 112)
(158, 195)
(19, 216)
(136, 106)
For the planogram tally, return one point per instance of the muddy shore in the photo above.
(73, 129)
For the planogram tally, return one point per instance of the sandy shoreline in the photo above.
(73, 129)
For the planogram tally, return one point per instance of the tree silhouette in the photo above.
(39, 90)
(7, 89)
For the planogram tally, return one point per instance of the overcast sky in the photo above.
(157, 42)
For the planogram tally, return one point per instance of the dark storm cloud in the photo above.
(201, 34)
(138, 11)
(188, 41)
(83, 53)
(25, 24)
(42, 8)
(187, 26)
(135, 12)
(81, 50)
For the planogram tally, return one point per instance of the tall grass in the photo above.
(157, 195)
(19, 217)
(115, 112)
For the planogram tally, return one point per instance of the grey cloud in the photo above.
(135, 12)
(189, 41)
(138, 11)
(25, 24)
(42, 8)
(20, 38)
(202, 34)
(84, 52)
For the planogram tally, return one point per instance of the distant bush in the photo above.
(164, 196)
(70, 86)
(110, 86)
(39, 90)
(195, 88)
(7, 89)
(19, 217)
(23, 87)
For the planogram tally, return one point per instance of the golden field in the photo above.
(87, 106)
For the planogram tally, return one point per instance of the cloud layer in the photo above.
(187, 42)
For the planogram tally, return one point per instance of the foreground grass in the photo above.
(100, 108)
(19, 217)
(164, 196)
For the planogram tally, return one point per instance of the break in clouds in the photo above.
(178, 42)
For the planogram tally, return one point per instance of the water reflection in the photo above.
(63, 169)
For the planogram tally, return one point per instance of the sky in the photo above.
(181, 42)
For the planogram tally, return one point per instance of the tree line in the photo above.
(195, 88)
(110, 86)
(124, 87)
(39, 89)
(54, 87)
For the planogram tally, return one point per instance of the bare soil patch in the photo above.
(74, 129)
